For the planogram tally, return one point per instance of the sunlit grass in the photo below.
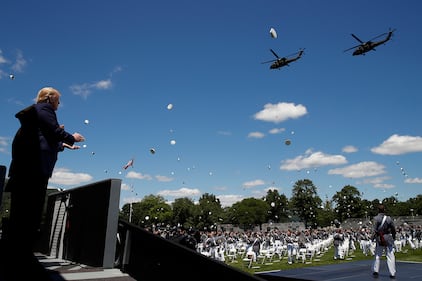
(326, 258)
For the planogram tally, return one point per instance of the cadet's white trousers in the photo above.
(391, 259)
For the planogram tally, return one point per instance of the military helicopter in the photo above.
(367, 46)
(280, 62)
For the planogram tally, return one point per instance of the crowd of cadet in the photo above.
(224, 245)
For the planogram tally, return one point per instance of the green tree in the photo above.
(225, 215)
(402, 208)
(368, 210)
(348, 203)
(5, 207)
(390, 204)
(416, 205)
(305, 202)
(150, 211)
(184, 212)
(249, 212)
(210, 211)
(278, 206)
(125, 212)
(326, 215)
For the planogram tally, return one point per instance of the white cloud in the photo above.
(397, 145)
(413, 180)
(19, 63)
(250, 184)
(256, 135)
(272, 187)
(349, 149)
(4, 142)
(83, 90)
(66, 177)
(181, 192)
(139, 176)
(86, 89)
(125, 186)
(103, 84)
(224, 133)
(378, 182)
(163, 178)
(229, 200)
(132, 199)
(2, 58)
(280, 112)
(384, 185)
(359, 170)
(312, 159)
(276, 131)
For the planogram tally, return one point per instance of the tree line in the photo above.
(304, 205)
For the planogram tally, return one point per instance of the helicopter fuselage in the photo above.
(280, 62)
(368, 46)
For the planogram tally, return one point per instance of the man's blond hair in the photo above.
(45, 93)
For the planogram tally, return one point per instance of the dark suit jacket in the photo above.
(25, 146)
(50, 137)
(37, 142)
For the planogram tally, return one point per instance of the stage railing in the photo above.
(81, 224)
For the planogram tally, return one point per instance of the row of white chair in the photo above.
(231, 252)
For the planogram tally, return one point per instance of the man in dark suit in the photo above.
(35, 148)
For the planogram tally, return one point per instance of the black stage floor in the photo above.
(350, 271)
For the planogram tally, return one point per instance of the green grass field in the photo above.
(326, 258)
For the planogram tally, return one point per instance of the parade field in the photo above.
(406, 255)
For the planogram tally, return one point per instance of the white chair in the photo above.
(301, 254)
(250, 257)
(231, 253)
(398, 245)
(310, 252)
(241, 249)
(270, 254)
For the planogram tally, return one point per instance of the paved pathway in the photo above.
(350, 271)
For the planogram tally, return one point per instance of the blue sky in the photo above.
(351, 120)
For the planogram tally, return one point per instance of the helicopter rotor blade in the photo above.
(354, 47)
(354, 36)
(274, 53)
(291, 55)
(268, 61)
(376, 37)
(295, 53)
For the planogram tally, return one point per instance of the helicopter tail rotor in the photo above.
(391, 32)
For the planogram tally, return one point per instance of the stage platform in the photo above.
(61, 270)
